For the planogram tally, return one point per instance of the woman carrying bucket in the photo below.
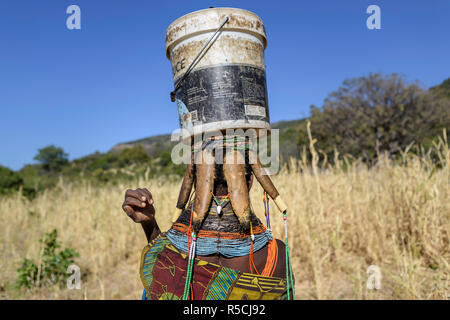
(217, 249)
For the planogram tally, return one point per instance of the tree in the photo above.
(52, 158)
(377, 112)
(9, 180)
(131, 156)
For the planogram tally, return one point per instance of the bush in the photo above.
(9, 180)
(132, 156)
(53, 266)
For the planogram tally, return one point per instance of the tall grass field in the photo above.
(342, 219)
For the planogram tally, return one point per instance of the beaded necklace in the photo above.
(229, 243)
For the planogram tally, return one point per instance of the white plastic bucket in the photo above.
(227, 87)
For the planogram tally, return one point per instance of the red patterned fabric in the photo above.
(169, 276)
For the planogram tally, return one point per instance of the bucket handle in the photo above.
(196, 60)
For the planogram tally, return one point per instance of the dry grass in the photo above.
(342, 219)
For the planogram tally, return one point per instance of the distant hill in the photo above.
(154, 145)
(443, 89)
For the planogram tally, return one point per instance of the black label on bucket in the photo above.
(223, 93)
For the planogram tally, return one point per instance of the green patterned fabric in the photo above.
(149, 256)
(222, 284)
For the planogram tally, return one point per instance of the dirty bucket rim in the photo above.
(207, 9)
(171, 44)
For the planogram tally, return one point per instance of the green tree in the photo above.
(9, 180)
(52, 158)
(377, 112)
(133, 155)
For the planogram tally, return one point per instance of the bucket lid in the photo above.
(207, 20)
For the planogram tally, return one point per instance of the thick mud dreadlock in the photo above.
(220, 183)
(231, 177)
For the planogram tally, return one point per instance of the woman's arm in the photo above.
(151, 230)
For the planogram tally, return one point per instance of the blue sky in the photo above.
(89, 89)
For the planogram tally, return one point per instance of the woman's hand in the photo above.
(138, 205)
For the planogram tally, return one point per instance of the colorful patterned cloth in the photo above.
(163, 274)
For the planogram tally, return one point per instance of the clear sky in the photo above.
(89, 89)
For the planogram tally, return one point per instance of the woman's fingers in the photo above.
(128, 209)
(136, 216)
(130, 201)
(141, 194)
(147, 195)
(133, 193)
